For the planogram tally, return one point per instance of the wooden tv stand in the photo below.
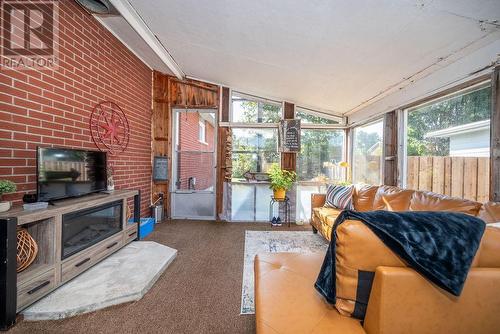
(49, 270)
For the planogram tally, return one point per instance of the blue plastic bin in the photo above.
(146, 226)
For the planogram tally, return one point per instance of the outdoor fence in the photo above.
(465, 177)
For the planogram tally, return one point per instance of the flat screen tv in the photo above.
(64, 172)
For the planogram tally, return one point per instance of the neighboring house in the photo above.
(195, 165)
(468, 140)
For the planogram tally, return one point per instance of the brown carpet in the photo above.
(200, 292)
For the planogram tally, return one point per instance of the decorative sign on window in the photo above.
(289, 135)
(160, 169)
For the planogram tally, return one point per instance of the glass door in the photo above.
(194, 156)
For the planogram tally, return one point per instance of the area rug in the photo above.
(273, 242)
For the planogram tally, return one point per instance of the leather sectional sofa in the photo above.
(401, 300)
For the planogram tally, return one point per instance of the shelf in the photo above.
(43, 232)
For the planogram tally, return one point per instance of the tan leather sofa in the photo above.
(401, 300)
(368, 198)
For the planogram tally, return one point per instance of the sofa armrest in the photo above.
(402, 301)
(317, 200)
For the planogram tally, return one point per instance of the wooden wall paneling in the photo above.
(222, 148)
(221, 169)
(193, 95)
(224, 115)
(289, 159)
(289, 110)
(161, 144)
(168, 93)
(495, 136)
(390, 168)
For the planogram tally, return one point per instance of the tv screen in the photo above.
(66, 173)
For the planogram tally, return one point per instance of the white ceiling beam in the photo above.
(137, 23)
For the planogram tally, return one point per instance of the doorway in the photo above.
(194, 177)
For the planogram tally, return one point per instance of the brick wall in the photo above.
(52, 108)
(195, 165)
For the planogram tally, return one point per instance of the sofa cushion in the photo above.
(286, 301)
(363, 197)
(429, 201)
(339, 197)
(490, 212)
(323, 219)
(323, 213)
(392, 198)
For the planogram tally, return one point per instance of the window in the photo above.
(320, 154)
(318, 162)
(308, 117)
(201, 132)
(247, 109)
(254, 150)
(367, 153)
(447, 145)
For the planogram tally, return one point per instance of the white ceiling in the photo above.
(333, 55)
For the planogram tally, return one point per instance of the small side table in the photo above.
(282, 204)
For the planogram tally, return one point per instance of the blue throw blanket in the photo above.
(438, 245)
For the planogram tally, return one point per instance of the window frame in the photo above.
(202, 132)
(257, 126)
(253, 98)
(369, 122)
(311, 126)
(403, 123)
(341, 120)
(344, 153)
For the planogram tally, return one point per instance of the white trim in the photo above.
(137, 23)
(99, 18)
(249, 125)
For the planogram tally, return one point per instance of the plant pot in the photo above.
(279, 193)
(4, 206)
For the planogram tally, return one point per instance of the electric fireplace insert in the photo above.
(84, 228)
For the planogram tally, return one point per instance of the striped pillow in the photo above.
(339, 197)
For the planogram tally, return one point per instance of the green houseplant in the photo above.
(6, 187)
(281, 180)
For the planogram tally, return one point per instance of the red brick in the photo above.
(53, 107)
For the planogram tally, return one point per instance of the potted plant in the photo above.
(6, 187)
(281, 181)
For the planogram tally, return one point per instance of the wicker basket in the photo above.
(27, 249)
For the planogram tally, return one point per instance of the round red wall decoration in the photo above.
(109, 127)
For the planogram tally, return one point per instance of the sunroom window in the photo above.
(318, 162)
(254, 125)
(367, 153)
(310, 117)
(254, 150)
(321, 152)
(447, 145)
(249, 109)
